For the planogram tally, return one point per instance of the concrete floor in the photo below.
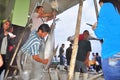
(63, 75)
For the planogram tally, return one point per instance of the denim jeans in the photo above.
(61, 60)
(111, 67)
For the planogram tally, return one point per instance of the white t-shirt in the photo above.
(37, 21)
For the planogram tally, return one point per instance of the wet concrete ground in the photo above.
(55, 74)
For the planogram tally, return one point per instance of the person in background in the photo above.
(40, 17)
(92, 62)
(107, 28)
(4, 37)
(68, 54)
(61, 55)
(98, 62)
(82, 58)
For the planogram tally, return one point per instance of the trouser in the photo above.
(68, 61)
(61, 60)
(29, 68)
(111, 67)
(84, 76)
(80, 67)
(97, 68)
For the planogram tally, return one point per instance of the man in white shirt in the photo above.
(39, 17)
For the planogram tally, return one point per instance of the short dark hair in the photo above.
(104, 1)
(44, 28)
(39, 7)
(63, 44)
(97, 54)
(86, 31)
(70, 45)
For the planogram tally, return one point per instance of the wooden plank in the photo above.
(75, 45)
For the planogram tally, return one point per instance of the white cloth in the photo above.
(4, 45)
(11, 35)
(37, 21)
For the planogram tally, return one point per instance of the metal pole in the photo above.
(96, 8)
(75, 45)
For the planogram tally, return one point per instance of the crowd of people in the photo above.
(106, 28)
(82, 64)
(6, 44)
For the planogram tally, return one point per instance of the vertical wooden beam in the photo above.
(96, 8)
(75, 44)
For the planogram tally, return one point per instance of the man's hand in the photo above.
(6, 33)
(94, 26)
(38, 59)
(86, 62)
(45, 61)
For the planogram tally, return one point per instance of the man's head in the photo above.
(43, 30)
(101, 2)
(39, 9)
(104, 1)
(85, 34)
(97, 54)
(63, 45)
(70, 45)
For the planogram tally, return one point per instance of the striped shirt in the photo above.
(33, 44)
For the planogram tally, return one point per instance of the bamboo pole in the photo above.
(96, 8)
(75, 45)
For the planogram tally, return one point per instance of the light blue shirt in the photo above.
(33, 44)
(108, 29)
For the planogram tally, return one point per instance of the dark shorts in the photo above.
(80, 67)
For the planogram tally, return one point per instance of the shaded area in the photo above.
(18, 32)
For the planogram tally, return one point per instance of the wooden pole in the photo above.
(96, 8)
(75, 45)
